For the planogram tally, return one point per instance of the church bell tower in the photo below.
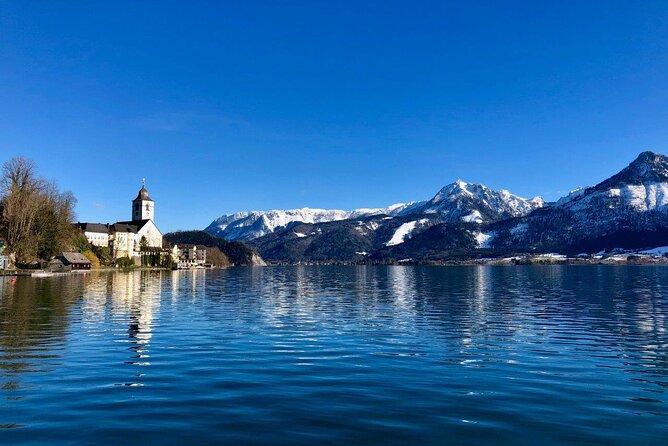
(142, 206)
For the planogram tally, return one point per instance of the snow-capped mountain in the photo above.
(641, 186)
(255, 224)
(463, 220)
(459, 201)
(629, 209)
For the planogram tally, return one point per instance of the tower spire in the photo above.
(142, 206)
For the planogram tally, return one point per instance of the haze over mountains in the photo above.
(463, 220)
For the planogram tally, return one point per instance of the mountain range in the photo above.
(459, 201)
(464, 221)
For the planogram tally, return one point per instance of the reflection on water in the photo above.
(516, 355)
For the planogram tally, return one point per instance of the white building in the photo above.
(122, 240)
(128, 238)
(96, 233)
(191, 256)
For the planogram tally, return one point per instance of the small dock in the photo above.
(14, 273)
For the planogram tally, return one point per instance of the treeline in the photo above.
(35, 216)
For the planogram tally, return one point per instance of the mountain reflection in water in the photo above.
(302, 355)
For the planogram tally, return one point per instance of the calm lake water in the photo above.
(337, 355)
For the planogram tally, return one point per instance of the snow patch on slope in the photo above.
(639, 197)
(484, 239)
(572, 195)
(660, 251)
(645, 197)
(473, 217)
(404, 232)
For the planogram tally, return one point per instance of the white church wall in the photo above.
(152, 234)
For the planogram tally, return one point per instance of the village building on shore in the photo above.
(69, 261)
(96, 233)
(191, 256)
(140, 240)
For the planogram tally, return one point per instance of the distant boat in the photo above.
(43, 274)
(53, 274)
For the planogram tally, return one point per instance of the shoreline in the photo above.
(499, 262)
(44, 273)
(488, 262)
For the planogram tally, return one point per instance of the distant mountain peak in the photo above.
(640, 186)
(648, 167)
(474, 202)
(459, 187)
(649, 163)
(648, 156)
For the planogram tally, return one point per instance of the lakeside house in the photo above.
(69, 261)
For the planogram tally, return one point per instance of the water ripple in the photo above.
(302, 355)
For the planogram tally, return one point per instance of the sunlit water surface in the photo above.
(337, 355)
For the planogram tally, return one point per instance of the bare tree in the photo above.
(17, 174)
(20, 206)
(216, 257)
(36, 218)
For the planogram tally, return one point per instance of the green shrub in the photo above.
(125, 262)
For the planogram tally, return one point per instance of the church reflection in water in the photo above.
(137, 297)
(131, 303)
(144, 319)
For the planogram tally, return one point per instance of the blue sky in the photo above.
(228, 106)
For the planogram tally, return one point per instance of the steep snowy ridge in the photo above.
(459, 201)
(641, 186)
(255, 224)
(628, 210)
(634, 197)
(574, 194)
(462, 201)
(648, 167)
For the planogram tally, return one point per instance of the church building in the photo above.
(129, 238)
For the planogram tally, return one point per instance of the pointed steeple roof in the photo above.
(143, 193)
